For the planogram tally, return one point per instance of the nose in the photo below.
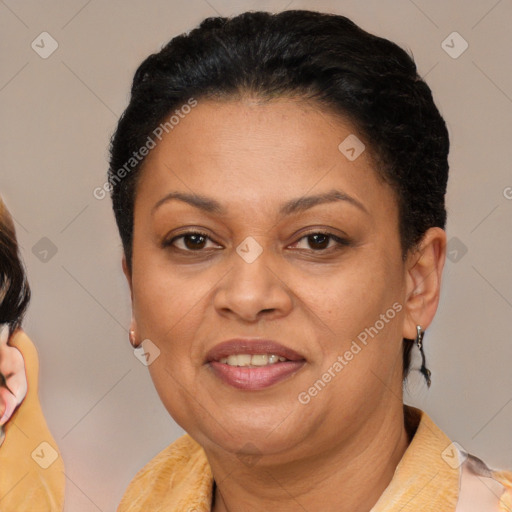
(253, 288)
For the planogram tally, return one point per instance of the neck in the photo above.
(349, 477)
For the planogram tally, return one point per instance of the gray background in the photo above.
(57, 116)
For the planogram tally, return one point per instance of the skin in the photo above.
(14, 380)
(339, 451)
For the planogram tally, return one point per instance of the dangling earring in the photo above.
(419, 341)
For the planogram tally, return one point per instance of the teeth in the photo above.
(259, 360)
(252, 360)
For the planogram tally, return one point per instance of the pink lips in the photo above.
(253, 378)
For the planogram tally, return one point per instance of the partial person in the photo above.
(31, 469)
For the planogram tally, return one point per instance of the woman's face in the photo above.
(299, 246)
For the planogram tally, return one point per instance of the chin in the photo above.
(247, 437)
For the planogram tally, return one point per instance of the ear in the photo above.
(424, 267)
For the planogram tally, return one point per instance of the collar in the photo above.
(427, 476)
(180, 477)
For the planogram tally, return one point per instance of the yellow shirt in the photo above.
(433, 476)
(31, 469)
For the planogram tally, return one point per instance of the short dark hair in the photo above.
(14, 288)
(327, 58)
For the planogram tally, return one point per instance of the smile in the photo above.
(253, 364)
(252, 361)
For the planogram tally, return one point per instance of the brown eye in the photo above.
(194, 241)
(189, 242)
(319, 241)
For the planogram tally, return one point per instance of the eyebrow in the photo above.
(292, 206)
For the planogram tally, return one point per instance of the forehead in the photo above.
(250, 150)
(284, 130)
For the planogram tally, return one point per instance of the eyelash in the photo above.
(341, 242)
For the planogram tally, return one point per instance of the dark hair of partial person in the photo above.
(14, 288)
(326, 58)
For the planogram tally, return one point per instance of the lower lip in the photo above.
(242, 377)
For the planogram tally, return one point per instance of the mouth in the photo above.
(253, 364)
(252, 361)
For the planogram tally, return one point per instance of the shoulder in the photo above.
(173, 464)
(179, 475)
(481, 488)
(31, 467)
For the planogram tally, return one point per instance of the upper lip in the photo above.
(251, 346)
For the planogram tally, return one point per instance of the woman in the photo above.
(31, 469)
(278, 182)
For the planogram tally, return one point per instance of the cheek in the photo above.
(355, 297)
(162, 300)
(360, 355)
(361, 312)
(167, 310)
(176, 389)
(165, 314)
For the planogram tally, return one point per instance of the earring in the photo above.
(131, 336)
(419, 342)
